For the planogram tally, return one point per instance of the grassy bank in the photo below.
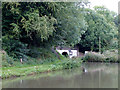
(106, 56)
(26, 69)
(11, 68)
(45, 62)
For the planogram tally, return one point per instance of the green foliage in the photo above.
(109, 15)
(94, 57)
(69, 64)
(39, 24)
(41, 52)
(100, 30)
(114, 43)
(27, 69)
(111, 55)
(30, 29)
(42, 26)
(61, 56)
(107, 56)
(6, 60)
(71, 24)
(15, 49)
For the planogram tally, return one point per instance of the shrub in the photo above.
(15, 48)
(107, 56)
(6, 60)
(111, 55)
(90, 56)
(69, 63)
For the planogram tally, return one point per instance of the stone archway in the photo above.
(65, 54)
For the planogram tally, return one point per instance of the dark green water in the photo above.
(98, 75)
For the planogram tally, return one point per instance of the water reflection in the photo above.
(98, 75)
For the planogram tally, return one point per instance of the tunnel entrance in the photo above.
(65, 54)
(82, 49)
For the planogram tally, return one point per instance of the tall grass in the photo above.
(107, 56)
(51, 65)
(111, 55)
(45, 63)
(94, 57)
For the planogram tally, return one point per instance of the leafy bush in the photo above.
(40, 52)
(93, 57)
(114, 43)
(107, 56)
(15, 48)
(111, 55)
(34, 52)
(69, 64)
(6, 60)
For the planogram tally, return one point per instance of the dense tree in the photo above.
(27, 26)
(40, 24)
(71, 25)
(101, 29)
(111, 18)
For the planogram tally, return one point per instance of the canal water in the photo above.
(96, 75)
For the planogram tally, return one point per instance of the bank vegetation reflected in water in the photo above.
(97, 75)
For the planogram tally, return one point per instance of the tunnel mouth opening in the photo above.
(65, 54)
(82, 49)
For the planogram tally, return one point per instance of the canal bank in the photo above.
(25, 70)
(98, 75)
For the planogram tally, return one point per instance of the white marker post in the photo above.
(21, 60)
